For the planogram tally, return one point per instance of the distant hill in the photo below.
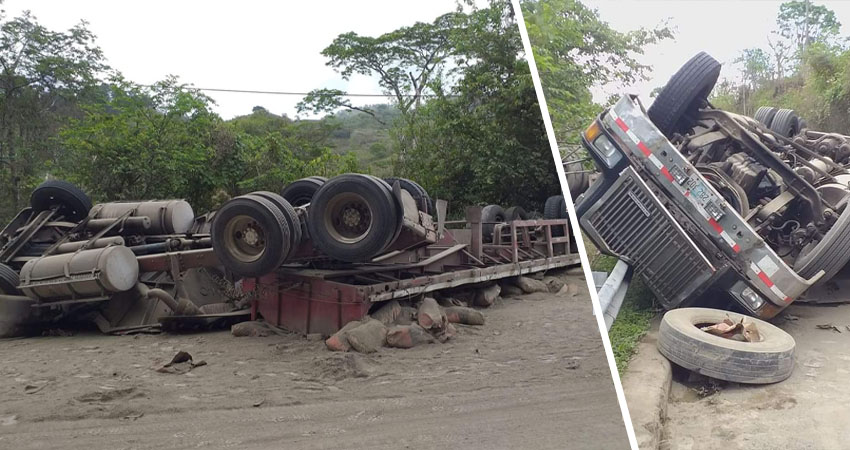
(345, 131)
(363, 135)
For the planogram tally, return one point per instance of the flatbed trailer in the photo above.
(321, 301)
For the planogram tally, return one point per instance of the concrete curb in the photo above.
(646, 384)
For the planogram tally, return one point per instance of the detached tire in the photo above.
(493, 214)
(301, 192)
(765, 115)
(681, 341)
(785, 123)
(9, 281)
(250, 236)
(831, 254)
(684, 94)
(353, 217)
(73, 203)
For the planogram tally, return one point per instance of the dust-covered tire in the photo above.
(516, 213)
(768, 361)
(493, 214)
(765, 115)
(423, 201)
(684, 94)
(786, 123)
(9, 281)
(295, 233)
(301, 192)
(555, 208)
(237, 256)
(372, 211)
(831, 254)
(72, 202)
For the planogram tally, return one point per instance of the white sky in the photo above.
(246, 44)
(721, 28)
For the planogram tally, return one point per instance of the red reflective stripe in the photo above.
(621, 124)
(666, 174)
(736, 248)
(765, 279)
(787, 299)
(644, 149)
(716, 225)
(687, 193)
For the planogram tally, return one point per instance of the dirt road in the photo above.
(535, 376)
(807, 411)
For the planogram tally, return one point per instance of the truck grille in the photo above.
(634, 225)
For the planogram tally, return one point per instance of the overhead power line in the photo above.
(252, 91)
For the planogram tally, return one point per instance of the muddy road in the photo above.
(807, 411)
(535, 376)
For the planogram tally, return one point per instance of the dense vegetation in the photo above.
(462, 119)
(805, 67)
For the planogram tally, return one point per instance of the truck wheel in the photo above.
(300, 192)
(516, 213)
(785, 123)
(423, 201)
(352, 217)
(765, 115)
(493, 214)
(73, 203)
(289, 214)
(831, 254)
(552, 207)
(250, 236)
(681, 340)
(578, 181)
(684, 94)
(9, 281)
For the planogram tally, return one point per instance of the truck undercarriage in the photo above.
(710, 205)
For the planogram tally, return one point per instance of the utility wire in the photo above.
(250, 91)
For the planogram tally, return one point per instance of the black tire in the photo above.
(801, 124)
(552, 207)
(684, 94)
(785, 123)
(289, 214)
(765, 115)
(493, 214)
(578, 181)
(301, 192)
(516, 213)
(831, 254)
(423, 201)
(73, 203)
(275, 236)
(399, 208)
(768, 361)
(357, 240)
(9, 281)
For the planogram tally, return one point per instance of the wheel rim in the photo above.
(245, 239)
(348, 218)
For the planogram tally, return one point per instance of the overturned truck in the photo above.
(714, 208)
(312, 258)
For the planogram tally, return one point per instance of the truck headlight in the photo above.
(602, 146)
(753, 299)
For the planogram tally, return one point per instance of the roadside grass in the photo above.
(635, 315)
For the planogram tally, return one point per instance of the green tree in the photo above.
(574, 49)
(804, 23)
(44, 73)
(483, 137)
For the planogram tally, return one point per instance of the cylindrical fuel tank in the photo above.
(167, 216)
(86, 274)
